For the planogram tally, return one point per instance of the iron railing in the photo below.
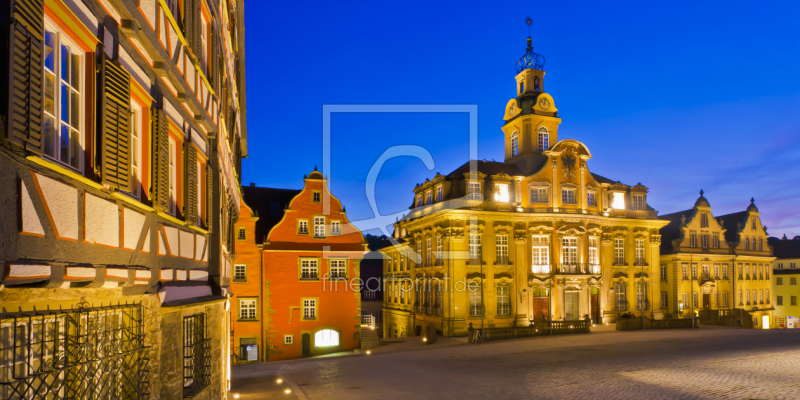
(578, 269)
(81, 353)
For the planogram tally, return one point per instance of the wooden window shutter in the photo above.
(190, 188)
(160, 181)
(26, 80)
(193, 26)
(210, 192)
(115, 132)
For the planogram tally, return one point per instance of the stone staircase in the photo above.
(369, 338)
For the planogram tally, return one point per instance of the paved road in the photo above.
(706, 363)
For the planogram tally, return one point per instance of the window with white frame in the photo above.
(685, 273)
(288, 339)
(685, 300)
(704, 220)
(336, 228)
(338, 269)
(706, 273)
(539, 194)
(309, 269)
(638, 202)
(663, 273)
(474, 300)
(319, 227)
(747, 297)
(724, 299)
(641, 296)
(428, 252)
(766, 296)
(692, 240)
(439, 194)
(567, 196)
(694, 299)
(241, 233)
(704, 241)
(474, 247)
(569, 250)
(620, 294)
(716, 241)
(754, 244)
(240, 273)
(544, 139)
(760, 244)
(501, 192)
(664, 299)
(639, 253)
(309, 309)
(540, 254)
(514, 144)
(302, 227)
(503, 292)
(694, 271)
(779, 300)
(753, 223)
(247, 309)
(716, 299)
(173, 178)
(474, 191)
(724, 272)
(501, 249)
(63, 104)
(716, 271)
(136, 150)
(619, 251)
(429, 197)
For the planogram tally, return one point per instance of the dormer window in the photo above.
(544, 139)
(514, 144)
(753, 223)
(501, 192)
(693, 240)
(474, 191)
(429, 198)
(618, 201)
(439, 194)
(536, 83)
(591, 199)
(638, 202)
(568, 196)
(419, 200)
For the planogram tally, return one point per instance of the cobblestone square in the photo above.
(707, 363)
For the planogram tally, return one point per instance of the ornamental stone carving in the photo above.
(457, 234)
(502, 229)
(519, 236)
(655, 239)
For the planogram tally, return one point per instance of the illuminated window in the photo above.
(703, 220)
(544, 139)
(620, 295)
(242, 234)
(618, 201)
(569, 250)
(514, 144)
(619, 251)
(319, 227)
(503, 299)
(639, 252)
(63, 107)
(136, 150)
(428, 252)
(326, 338)
(593, 251)
(501, 192)
(704, 241)
(474, 300)
(474, 247)
(240, 273)
(302, 227)
(540, 254)
(539, 194)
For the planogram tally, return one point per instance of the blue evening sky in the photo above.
(677, 95)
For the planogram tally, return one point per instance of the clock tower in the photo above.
(531, 119)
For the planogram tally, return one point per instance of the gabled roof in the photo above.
(269, 204)
(488, 168)
(785, 248)
(729, 223)
(602, 179)
(672, 230)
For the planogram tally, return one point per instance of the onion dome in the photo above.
(752, 206)
(701, 201)
(315, 174)
(530, 60)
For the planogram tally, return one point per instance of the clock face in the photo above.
(512, 109)
(544, 104)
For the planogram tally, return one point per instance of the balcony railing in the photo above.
(419, 308)
(437, 311)
(368, 320)
(541, 268)
(578, 269)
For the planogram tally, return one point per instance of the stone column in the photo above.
(582, 189)
(559, 300)
(655, 278)
(555, 188)
(521, 268)
(607, 269)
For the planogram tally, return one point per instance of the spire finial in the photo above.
(701, 192)
(530, 59)
(315, 167)
(752, 200)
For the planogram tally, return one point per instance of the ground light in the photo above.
(424, 339)
(287, 391)
(236, 395)
(279, 380)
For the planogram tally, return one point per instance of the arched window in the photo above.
(514, 144)
(544, 139)
(521, 87)
(326, 338)
(536, 83)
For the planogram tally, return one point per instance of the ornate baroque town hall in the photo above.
(539, 236)
(123, 129)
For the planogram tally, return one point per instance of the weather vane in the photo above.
(529, 22)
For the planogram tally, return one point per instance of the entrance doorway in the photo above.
(541, 305)
(706, 301)
(595, 299)
(306, 344)
(571, 303)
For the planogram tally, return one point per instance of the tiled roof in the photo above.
(729, 223)
(488, 168)
(603, 179)
(785, 248)
(270, 204)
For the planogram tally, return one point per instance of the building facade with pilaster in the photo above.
(122, 134)
(538, 236)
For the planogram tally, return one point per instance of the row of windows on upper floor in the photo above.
(747, 271)
(792, 281)
(540, 254)
(791, 265)
(309, 270)
(543, 143)
(539, 193)
(749, 243)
